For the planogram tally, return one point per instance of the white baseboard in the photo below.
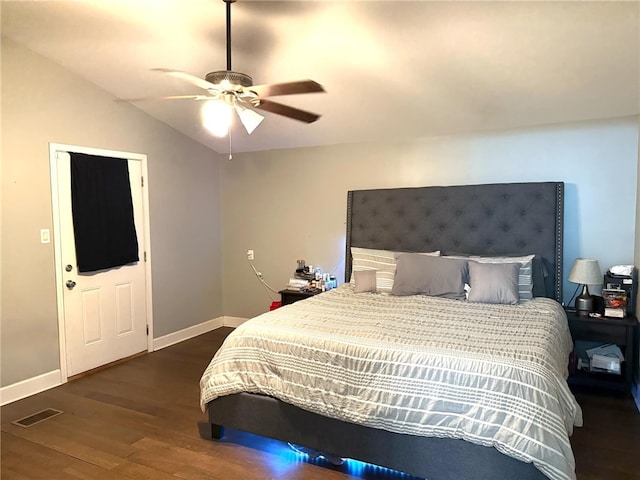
(195, 330)
(233, 321)
(30, 386)
(40, 383)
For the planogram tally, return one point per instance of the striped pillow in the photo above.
(382, 261)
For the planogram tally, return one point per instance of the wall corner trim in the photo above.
(234, 321)
(187, 333)
(30, 386)
(195, 330)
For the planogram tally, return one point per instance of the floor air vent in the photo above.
(37, 417)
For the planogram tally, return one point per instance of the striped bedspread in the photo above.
(493, 375)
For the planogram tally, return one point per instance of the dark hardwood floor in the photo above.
(141, 420)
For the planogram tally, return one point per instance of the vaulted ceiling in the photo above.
(392, 69)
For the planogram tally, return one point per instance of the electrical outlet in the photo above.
(250, 255)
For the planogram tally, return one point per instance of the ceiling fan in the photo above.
(228, 91)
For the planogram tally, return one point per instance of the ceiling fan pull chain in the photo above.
(230, 155)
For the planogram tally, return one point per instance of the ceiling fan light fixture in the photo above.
(250, 119)
(217, 117)
(229, 80)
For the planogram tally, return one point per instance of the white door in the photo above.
(105, 317)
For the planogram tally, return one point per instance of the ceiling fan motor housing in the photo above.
(236, 79)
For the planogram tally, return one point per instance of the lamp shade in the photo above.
(586, 271)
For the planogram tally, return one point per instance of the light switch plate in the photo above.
(45, 236)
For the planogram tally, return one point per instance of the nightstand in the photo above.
(604, 330)
(292, 296)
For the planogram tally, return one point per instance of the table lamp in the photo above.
(585, 271)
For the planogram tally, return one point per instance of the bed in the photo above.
(491, 431)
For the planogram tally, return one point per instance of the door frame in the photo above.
(57, 244)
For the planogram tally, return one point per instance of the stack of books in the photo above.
(615, 302)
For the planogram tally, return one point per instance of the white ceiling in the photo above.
(392, 70)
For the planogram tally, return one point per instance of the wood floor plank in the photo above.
(50, 436)
(24, 459)
(171, 459)
(141, 420)
(136, 471)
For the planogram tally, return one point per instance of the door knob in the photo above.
(70, 284)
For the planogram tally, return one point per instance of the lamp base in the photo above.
(585, 303)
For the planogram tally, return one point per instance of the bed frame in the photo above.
(494, 219)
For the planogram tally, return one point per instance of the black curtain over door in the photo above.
(102, 207)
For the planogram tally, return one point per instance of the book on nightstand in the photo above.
(615, 302)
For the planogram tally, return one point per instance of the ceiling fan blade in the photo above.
(168, 97)
(187, 97)
(288, 88)
(192, 79)
(287, 111)
(250, 119)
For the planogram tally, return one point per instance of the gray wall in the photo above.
(42, 103)
(291, 204)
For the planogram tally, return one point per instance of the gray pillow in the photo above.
(493, 282)
(525, 275)
(364, 281)
(435, 276)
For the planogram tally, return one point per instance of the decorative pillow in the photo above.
(383, 261)
(365, 281)
(525, 274)
(426, 275)
(494, 282)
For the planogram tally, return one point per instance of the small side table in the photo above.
(605, 330)
(288, 297)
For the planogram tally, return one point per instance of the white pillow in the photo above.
(382, 261)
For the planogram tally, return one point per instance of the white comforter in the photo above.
(493, 375)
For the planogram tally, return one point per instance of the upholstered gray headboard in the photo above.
(493, 219)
